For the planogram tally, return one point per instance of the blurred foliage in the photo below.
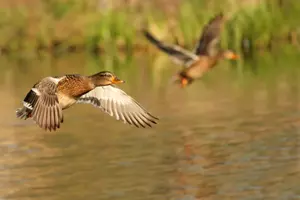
(95, 25)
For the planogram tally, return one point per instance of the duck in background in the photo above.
(205, 56)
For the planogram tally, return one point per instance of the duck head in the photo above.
(105, 78)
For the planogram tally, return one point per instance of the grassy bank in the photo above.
(73, 25)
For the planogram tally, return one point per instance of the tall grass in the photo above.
(72, 25)
(263, 26)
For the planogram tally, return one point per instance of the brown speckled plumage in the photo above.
(47, 98)
(75, 85)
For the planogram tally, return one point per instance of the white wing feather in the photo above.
(118, 104)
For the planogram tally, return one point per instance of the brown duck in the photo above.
(49, 97)
(205, 56)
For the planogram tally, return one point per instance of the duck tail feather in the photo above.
(23, 113)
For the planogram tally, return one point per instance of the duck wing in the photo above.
(210, 39)
(119, 105)
(178, 54)
(46, 111)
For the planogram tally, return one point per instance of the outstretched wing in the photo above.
(210, 39)
(178, 54)
(119, 105)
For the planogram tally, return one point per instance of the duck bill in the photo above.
(116, 80)
(184, 82)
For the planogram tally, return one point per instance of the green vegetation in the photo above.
(71, 25)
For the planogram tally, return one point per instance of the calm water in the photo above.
(233, 135)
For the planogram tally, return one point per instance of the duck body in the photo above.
(199, 67)
(47, 98)
(196, 69)
(71, 87)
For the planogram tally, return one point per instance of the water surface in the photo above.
(232, 135)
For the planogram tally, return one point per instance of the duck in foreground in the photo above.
(205, 56)
(47, 98)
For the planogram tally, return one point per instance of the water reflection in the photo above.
(234, 135)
